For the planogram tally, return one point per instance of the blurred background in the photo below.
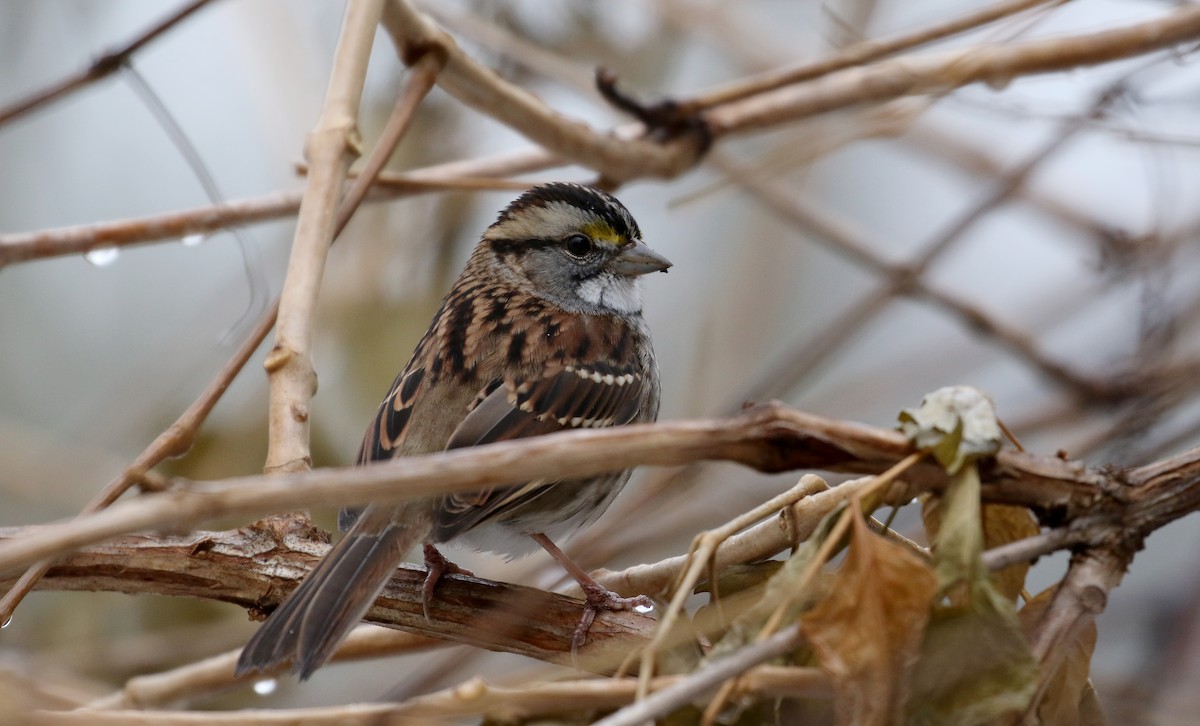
(1051, 220)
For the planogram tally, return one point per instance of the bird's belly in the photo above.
(560, 511)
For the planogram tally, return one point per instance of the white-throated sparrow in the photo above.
(541, 332)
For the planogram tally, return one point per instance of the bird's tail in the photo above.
(310, 623)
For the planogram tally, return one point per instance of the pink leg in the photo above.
(437, 565)
(597, 597)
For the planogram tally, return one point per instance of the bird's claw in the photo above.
(437, 565)
(597, 599)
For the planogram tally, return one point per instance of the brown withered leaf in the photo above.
(1001, 524)
(975, 663)
(1069, 698)
(1004, 523)
(866, 631)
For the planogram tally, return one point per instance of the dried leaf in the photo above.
(957, 424)
(867, 630)
(1068, 698)
(953, 525)
(975, 664)
(1001, 523)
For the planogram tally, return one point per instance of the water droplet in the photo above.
(266, 686)
(192, 240)
(7, 622)
(643, 609)
(102, 256)
(998, 82)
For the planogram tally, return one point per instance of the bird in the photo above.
(541, 332)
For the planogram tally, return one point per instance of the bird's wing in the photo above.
(384, 436)
(563, 397)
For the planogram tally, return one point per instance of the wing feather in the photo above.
(565, 397)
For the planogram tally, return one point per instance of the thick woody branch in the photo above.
(481, 88)
(769, 437)
(256, 568)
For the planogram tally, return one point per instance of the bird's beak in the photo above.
(638, 259)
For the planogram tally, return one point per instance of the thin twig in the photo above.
(694, 684)
(171, 226)
(860, 54)
(105, 65)
(938, 73)
(216, 674)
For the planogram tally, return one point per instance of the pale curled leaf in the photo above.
(1068, 698)
(867, 630)
(957, 424)
(975, 664)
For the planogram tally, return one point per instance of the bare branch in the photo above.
(704, 679)
(860, 54)
(332, 146)
(256, 568)
(105, 65)
(938, 73)
(769, 437)
(617, 158)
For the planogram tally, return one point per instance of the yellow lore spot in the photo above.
(602, 231)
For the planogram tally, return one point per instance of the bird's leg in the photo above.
(597, 597)
(437, 565)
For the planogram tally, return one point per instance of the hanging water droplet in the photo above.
(102, 256)
(7, 622)
(266, 686)
(998, 82)
(191, 240)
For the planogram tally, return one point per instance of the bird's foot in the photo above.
(437, 565)
(597, 598)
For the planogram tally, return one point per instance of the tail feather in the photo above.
(309, 624)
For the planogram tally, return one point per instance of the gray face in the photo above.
(576, 247)
(581, 282)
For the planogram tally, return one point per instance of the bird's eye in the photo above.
(578, 245)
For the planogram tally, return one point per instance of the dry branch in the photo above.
(256, 568)
(332, 146)
(105, 65)
(473, 698)
(479, 87)
(860, 54)
(1103, 514)
(941, 72)
(768, 437)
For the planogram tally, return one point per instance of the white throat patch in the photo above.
(613, 292)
